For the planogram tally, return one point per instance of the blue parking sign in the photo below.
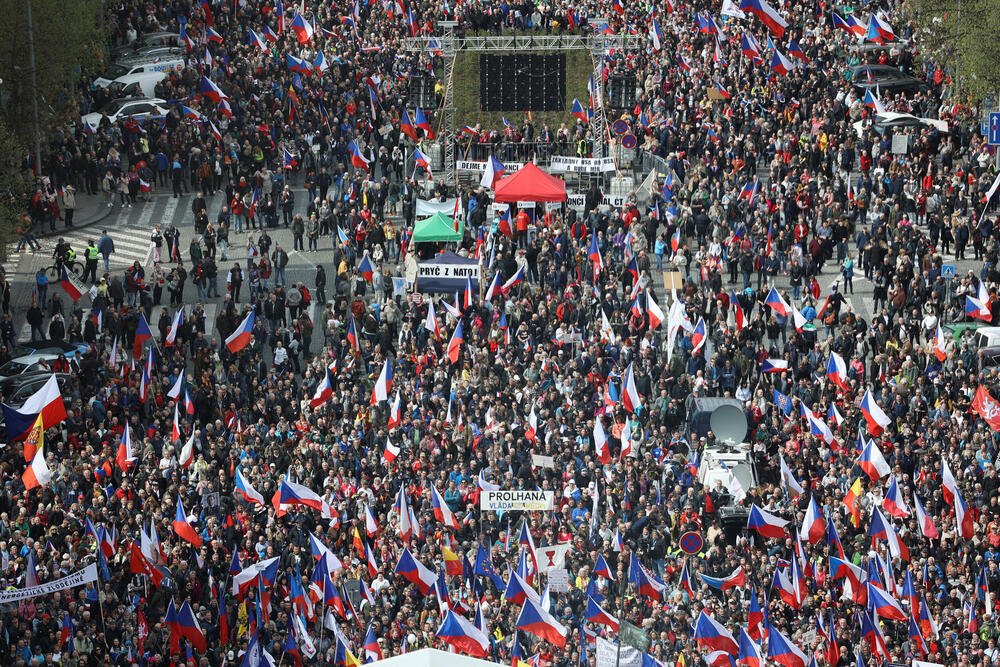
(993, 138)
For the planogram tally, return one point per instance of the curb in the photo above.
(93, 220)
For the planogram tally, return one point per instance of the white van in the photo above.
(161, 65)
(142, 84)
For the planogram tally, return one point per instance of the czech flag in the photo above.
(881, 528)
(777, 303)
(872, 462)
(357, 159)
(292, 493)
(926, 523)
(424, 124)
(653, 311)
(421, 160)
(441, 510)
(142, 334)
(245, 489)
(698, 336)
(774, 366)
(781, 650)
(383, 386)
(601, 568)
(514, 279)
(303, 29)
(630, 395)
(45, 404)
(184, 529)
(850, 26)
(211, 91)
(836, 371)
(894, 503)
(767, 14)
(240, 338)
(781, 64)
(464, 636)
(406, 126)
(188, 626)
(578, 111)
(597, 615)
(415, 572)
(71, 284)
(323, 392)
(750, 46)
(534, 619)
(875, 417)
(795, 51)
(879, 32)
(455, 344)
(813, 525)
(884, 604)
(737, 578)
(601, 442)
(494, 170)
(843, 569)
(749, 653)
(645, 582)
(765, 523)
(710, 633)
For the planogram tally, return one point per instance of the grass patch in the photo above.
(468, 112)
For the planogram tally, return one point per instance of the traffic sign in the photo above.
(691, 543)
(993, 138)
(948, 271)
(620, 127)
(628, 141)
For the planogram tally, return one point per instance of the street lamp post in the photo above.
(34, 93)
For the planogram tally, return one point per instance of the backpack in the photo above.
(306, 297)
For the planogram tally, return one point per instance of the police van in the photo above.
(159, 66)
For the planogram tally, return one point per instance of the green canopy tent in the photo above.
(437, 228)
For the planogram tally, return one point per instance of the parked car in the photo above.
(886, 78)
(152, 65)
(32, 363)
(18, 389)
(147, 40)
(131, 107)
(71, 350)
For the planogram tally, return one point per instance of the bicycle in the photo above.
(54, 272)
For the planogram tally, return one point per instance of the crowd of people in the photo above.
(592, 363)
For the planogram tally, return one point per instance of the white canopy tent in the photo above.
(432, 657)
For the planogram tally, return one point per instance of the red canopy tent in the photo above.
(530, 184)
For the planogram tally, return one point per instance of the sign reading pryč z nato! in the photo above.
(447, 273)
(516, 501)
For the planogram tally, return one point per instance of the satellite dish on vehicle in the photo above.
(729, 424)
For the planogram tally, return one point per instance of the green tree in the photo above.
(69, 40)
(963, 35)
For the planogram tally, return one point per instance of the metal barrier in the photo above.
(539, 152)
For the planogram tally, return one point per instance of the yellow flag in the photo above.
(34, 441)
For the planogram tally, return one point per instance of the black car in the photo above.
(886, 78)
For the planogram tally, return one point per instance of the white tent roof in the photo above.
(432, 657)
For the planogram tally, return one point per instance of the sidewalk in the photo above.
(90, 209)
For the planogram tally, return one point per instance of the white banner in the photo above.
(78, 578)
(551, 558)
(559, 581)
(540, 461)
(425, 270)
(426, 209)
(579, 201)
(510, 501)
(480, 167)
(581, 165)
(607, 655)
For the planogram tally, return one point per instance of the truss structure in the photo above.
(448, 45)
